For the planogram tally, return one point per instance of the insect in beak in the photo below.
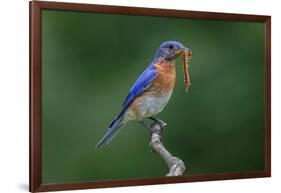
(186, 58)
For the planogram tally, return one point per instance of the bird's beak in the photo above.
(184, 50)
(187, 53)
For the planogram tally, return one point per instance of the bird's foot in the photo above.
(157, 126)
(155, 132)
(151, 128)
(156, 129)
(158, 121)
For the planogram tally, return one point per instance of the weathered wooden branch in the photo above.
(175, 165)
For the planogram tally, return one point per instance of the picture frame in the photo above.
(35, 176)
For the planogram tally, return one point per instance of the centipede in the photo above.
(186, 59)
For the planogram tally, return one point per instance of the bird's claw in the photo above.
(157, 130)
(161, 123)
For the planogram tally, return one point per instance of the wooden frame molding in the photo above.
(35, 92)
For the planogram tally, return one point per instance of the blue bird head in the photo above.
(170, 50)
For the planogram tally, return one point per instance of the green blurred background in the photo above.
(89, 62)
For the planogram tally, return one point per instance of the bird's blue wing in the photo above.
(141, 84)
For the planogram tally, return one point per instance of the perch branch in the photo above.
(175, 165)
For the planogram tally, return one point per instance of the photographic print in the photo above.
(132, 96)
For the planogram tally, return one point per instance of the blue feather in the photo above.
(113, 129)
(142, 83)
(144, 80)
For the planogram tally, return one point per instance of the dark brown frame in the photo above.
(35, 7)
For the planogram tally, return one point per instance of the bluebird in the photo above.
(151, 91)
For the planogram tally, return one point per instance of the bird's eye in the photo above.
(171, 47)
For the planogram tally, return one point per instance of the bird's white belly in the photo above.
(152, 105)
(148, 106)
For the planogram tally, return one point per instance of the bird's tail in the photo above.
(113, 129)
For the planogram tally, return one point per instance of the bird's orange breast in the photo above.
(166, 76)
(153, 100)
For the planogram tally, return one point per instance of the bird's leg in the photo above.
(145, 125)
(159, 121)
